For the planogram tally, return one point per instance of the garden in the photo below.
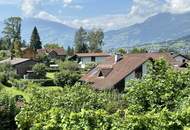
(159, 101)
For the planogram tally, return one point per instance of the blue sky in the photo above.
(107, 14)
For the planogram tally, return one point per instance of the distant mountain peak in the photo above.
(50, 31)
(161, 27)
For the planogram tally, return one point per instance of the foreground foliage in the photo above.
(159, 101)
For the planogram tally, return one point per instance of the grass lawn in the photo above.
(13, 92)
(50, 75)
(52, 88)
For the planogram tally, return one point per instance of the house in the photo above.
(58, 53)
(117, 70)
(85, 58)
(21, 65)
(181, 58)
(28, 53)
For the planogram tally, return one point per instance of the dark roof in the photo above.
(14, 61)
(121, 69)
(186, 57)
(92, 54)
(59, 51)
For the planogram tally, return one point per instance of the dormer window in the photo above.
(101, 75)
(104, 72)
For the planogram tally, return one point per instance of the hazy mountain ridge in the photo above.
(158, 28)
(181, 44)
(161, 27)
(49, 31)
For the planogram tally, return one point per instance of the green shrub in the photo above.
(66, 77)
(39, 71)
(68, 65)
(6, 73)
(8, 111)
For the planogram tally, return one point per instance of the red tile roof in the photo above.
(121, 69)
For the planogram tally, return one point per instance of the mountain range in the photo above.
(158, 28)
(161, 27)
(50, 32)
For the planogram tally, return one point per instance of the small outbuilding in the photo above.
(21, 65)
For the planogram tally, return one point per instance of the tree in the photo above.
(5, 44)
(35, 42)
(68, 65)
(139, 50)
(6, 73)
(95, 39)
(17, 48)
(70, 51)
(43, 58)
(52, 46)
(24, 44)
(12, 30)
(81, 41)
(39, 71)
(66, 77)
(121, 51)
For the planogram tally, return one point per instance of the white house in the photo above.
(181, 58)
(85, 58)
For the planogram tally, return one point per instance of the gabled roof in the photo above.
(14, 61)
(59, 51)
(182, 56)
(92, 54)
(121, 69)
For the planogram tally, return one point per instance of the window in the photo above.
(101, 74)
(139, 72)
(93, 59)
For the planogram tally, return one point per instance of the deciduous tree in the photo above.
(81, 41)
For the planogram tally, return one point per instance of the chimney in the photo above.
(118, 57)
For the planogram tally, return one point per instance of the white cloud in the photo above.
(67, 2)
(140, 11)
(46, 16)
(177, 6)
(34, 8)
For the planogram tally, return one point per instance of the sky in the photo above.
(105, 14)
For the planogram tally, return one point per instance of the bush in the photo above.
(66, 77)
(8, 111)
(90, 66)
(68, 65)
(43, 58)
(39, 71)
(6, 73)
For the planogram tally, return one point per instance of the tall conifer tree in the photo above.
(35, 42)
